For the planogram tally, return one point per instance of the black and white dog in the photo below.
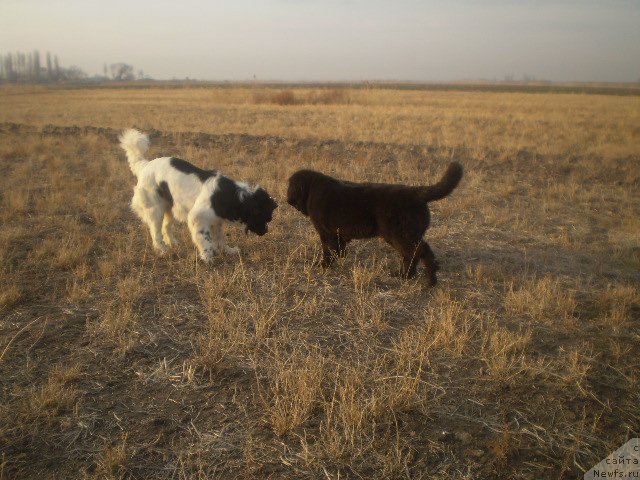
(170, 188)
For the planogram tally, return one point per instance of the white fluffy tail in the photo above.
(135, 144)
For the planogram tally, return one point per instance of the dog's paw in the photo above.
(208, 262)
(206, 256)
(323, 262)
(432, 280)
(399, 274)
(232, 250)
(160, 250)
(402, 274)
(171, 242)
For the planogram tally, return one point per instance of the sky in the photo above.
(335, 40)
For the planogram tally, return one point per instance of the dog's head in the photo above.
(259, 207)
(298, 191)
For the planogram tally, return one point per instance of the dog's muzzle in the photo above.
(257, 232)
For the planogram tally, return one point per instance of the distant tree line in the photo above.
(28, 67)
(510, 77)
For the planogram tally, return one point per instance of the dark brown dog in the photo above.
(342, 211)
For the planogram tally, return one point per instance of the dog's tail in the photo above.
(444, 187)
(135, 144)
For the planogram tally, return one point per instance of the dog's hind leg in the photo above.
(151, 213)
(410, 257)
(412, 253)
(154, 221)
(430, 263)
(167, 230)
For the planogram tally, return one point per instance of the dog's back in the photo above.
(420, 194)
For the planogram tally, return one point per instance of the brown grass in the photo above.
(333, 96)
(522, 362)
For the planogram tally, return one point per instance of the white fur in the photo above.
(136, 144)
(191, 200)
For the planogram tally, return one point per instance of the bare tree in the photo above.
(29, 74)
(22, 66)
(36, 66)
(9, 68)
(121, 72)
(74, 73)
(49, 67)
(56, 68)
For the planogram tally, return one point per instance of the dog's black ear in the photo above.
(298, 191)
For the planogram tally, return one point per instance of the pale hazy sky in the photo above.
(565, 40)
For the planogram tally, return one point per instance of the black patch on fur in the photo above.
(225, 200)
(189, 168)
(206, 234)
(164, 193)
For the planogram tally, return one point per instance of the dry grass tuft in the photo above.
(117, 327)
(9, 297)
(504, 354)
(619, 302)
(52, 399)
(295, 389)
(113, 462)
(544, 297)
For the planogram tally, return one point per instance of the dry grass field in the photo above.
(522, 363)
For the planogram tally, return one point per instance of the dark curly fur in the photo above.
(342, 211)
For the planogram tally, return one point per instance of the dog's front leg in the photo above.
(201, 236)
(331, 248)
(328, 256)
(221, 243)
